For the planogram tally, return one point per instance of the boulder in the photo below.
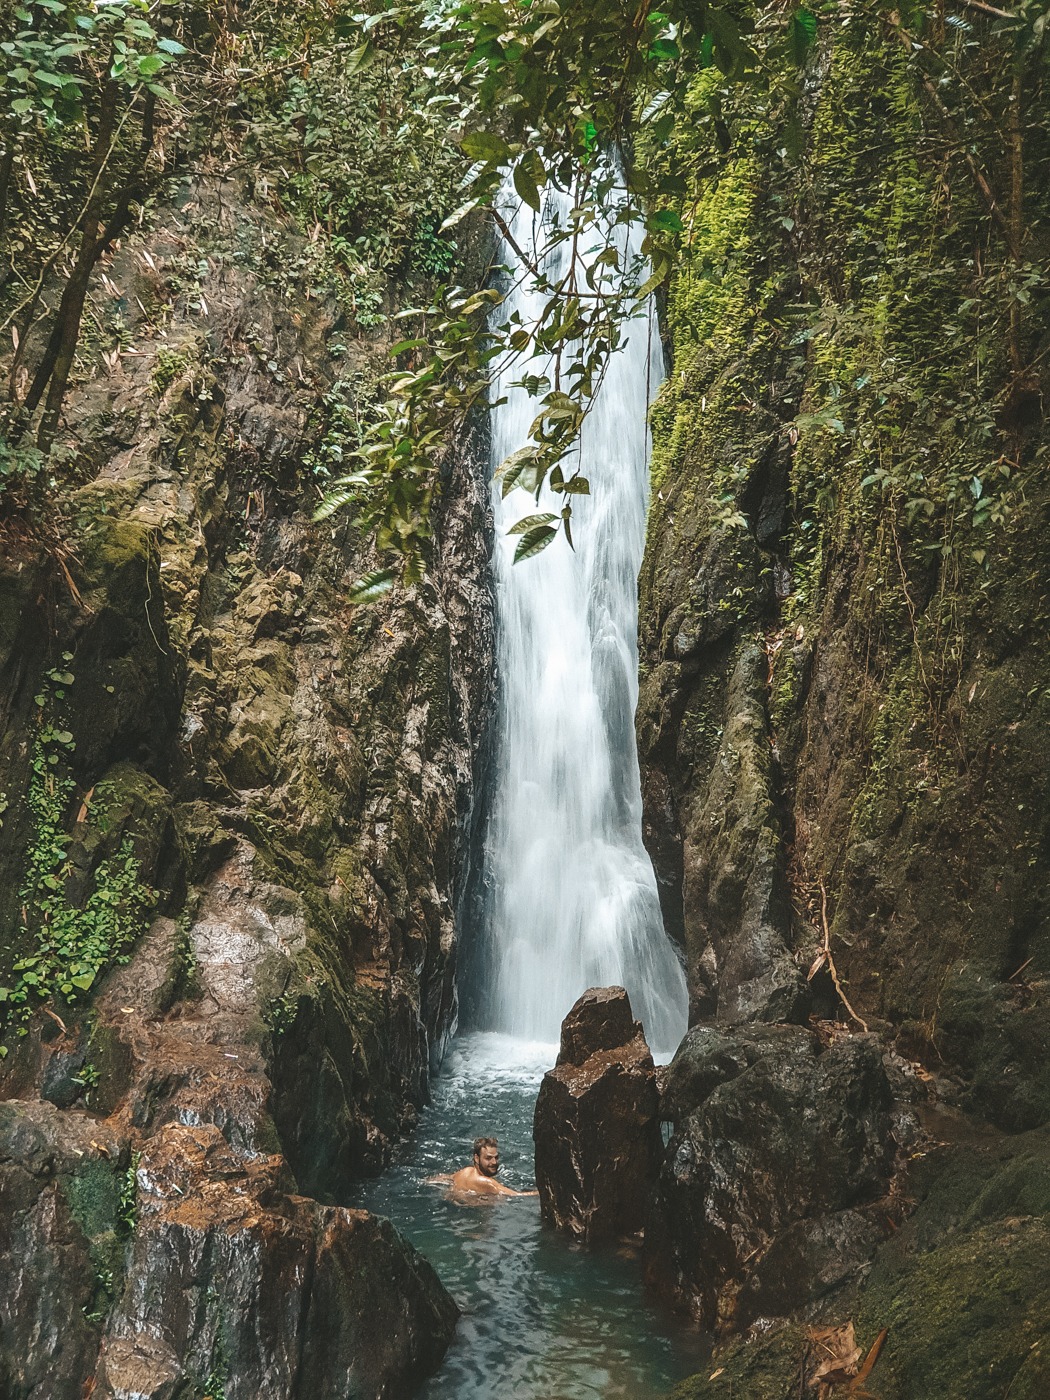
(597, 1129)
(190, 1264)
(962, 1286)
(781, 1149)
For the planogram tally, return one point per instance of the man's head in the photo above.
(486, 1155)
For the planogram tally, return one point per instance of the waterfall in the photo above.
(570, 895)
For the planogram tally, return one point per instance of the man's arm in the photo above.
(509, 1190)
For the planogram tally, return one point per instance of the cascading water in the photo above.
(571, 898)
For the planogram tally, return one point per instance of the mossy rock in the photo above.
(963, 1289)
(964, 1319)
(748, 1371)
(969, 1321)
(128, 804)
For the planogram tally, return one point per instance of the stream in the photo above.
(543, 1319)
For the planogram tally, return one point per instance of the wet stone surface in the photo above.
(769, 1193)
(596, 1128)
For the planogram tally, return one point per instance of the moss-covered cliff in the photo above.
(845, 684)
(845, 595)
(233, 802)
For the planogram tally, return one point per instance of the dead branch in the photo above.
(831, 961)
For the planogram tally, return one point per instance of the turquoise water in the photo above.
(542, 1319)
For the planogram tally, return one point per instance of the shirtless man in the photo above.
(479, 1178)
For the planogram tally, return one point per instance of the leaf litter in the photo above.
(832, 1364)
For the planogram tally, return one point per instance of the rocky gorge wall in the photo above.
(842, 729)
(276, 783)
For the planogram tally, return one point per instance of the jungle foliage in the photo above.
(550, 91)
(105, 108)
(385, 132)
(79, 96)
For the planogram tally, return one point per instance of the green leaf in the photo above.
(529, 176)
(535, 541)
(802, 31)
(372, 586)
(663, 49)
(529, 522)
(171, 46)
(486, 146)
(83, 980)
(512, 467)
(666, 221)
(577, 486)
(360, 59)
(149, 65)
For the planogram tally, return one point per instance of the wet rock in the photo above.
(962, 1287)
(597, 1128)
(737, 910)
(272, 1293)
(779, 1147)
(59, 1246)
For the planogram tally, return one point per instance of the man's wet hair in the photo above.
(481, 1142)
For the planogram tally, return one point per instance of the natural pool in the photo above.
(542, 1319)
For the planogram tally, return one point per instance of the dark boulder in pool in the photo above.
(597, 1129)
(773, 1188)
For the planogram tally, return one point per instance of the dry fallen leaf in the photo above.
(82, 815)
(57, 1020)
(857, 1388)
(836, 1353)
(715, 1374)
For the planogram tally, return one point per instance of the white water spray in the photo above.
(572, 899)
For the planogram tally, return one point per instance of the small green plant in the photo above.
(214, 1387)
(128, 1200)
(24, 473)
(185, 969)
(430, 254)
(88, 1075)
(169, 366)
(281, 1011)
(74, 943)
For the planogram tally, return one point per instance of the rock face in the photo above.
(289, 777)
(824, 700)
(597, 1128)
(780, 1153)
(962, 1286)
(275, 1294)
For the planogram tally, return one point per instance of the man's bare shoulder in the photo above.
(470, 1179)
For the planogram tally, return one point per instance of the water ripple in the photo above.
(542, 1319)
